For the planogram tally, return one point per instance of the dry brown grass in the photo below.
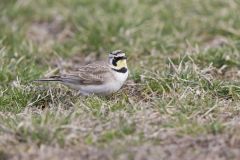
(181, 100)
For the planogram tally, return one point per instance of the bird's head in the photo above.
(118, 60)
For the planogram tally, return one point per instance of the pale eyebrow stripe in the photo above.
(117, 52)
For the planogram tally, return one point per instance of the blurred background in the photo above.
(39, 30)
(181, 99)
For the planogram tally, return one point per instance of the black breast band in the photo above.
(121, 70)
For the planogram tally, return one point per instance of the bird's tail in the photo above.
(52, 78)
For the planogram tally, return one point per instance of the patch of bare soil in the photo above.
(29, 152)
(216, 42)
(223, 73)
(189, 148)
(45, 33)
(208, 147)
(134, 91)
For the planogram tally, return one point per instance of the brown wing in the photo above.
(86, 75)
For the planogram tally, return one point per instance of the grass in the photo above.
(181, 100)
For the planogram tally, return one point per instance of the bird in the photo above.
(99, 77)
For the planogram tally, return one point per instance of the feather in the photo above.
(52, 78)
(85, 75)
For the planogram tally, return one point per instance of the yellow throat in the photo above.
(121, 63)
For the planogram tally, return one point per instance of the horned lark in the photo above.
(100, 78)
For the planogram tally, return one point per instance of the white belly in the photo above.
(103, 89)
